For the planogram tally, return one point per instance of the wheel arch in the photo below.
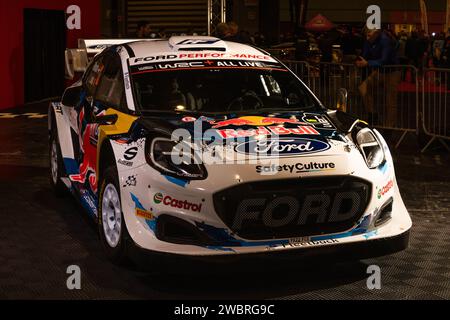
(106, 158)
(51, 117)
(58, 123)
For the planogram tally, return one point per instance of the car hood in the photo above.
(266, 135)
(312, 144)
(327, 123)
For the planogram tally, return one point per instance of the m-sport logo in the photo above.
(198, 41)
(282, 147)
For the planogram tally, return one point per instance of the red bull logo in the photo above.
(254, 121)
(266, 127)
(267, 131)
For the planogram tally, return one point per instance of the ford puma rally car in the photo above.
(199, 147)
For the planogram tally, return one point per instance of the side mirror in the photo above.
(342, 100)
(71, 96)
(108, 120)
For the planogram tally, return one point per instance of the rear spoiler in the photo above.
(77, 60)
(96, 46)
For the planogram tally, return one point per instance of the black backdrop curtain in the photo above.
(44, 47)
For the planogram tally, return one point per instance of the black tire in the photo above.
(118, 254)
(59, 187)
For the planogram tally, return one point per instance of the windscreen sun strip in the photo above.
(206, 65)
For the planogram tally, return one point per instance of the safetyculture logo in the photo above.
(168, 201)
(296, 168)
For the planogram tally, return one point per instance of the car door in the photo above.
(104, 89)
(82, 119)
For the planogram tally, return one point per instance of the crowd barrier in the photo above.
(435, 111)
(399, 97)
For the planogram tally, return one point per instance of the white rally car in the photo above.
(199, 147)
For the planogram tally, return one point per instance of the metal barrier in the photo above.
(301, 69)
(386, 97)
(436, 105)
(392, 93)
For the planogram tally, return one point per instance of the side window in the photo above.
(111, 90)
(93, 76)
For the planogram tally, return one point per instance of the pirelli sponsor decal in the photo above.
(144, 214)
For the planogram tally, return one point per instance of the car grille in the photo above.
(294, 207)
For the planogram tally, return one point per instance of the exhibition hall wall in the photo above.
(12, 68)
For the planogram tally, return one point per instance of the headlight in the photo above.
(370, 148)
(163, 152)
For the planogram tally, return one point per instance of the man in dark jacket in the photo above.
(380, 50)
(144, 30)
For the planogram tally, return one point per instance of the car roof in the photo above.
(190, 43)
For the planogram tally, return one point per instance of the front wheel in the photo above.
(112, 228)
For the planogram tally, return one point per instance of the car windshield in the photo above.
(218, 87)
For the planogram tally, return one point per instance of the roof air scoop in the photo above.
(197, 43)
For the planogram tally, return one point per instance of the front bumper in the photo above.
(399, 223)
(144, 204)
(271, 259)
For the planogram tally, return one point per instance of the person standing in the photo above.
(223, 31)
(437, 48)
(144, 30)
(236, 35)
(380, 51)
